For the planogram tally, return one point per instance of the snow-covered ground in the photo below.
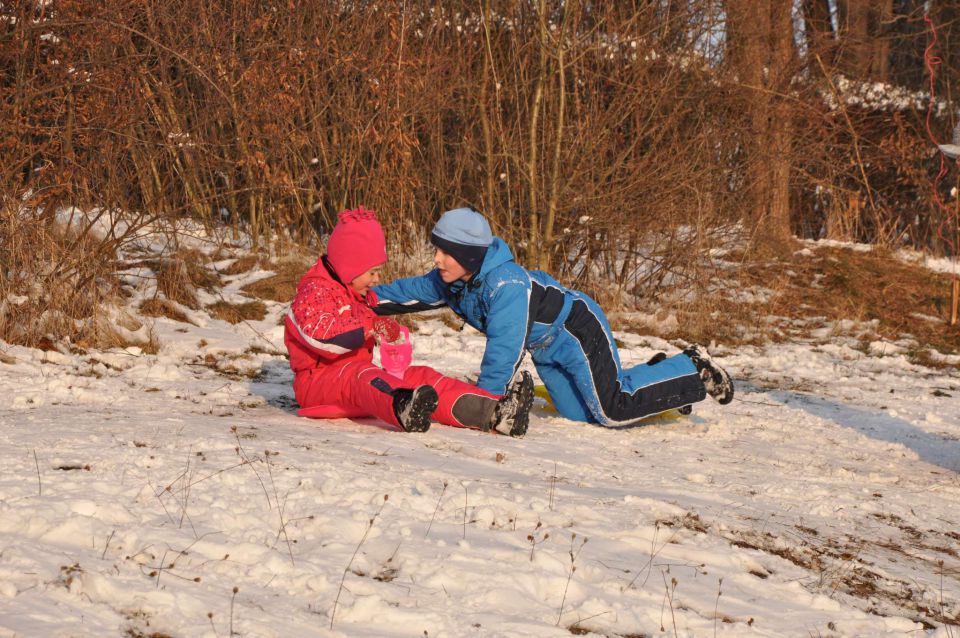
(178, 494)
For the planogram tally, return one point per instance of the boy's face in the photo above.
(362, 283)
(449, 268)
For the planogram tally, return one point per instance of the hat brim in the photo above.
(950, 150)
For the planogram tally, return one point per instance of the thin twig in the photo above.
(464, 510)
(333, 614)
(280, 508)
(158, 496)
(432, 518)
(653, 554)
(107, 546)
(218, 472)
(160, 568)
(532, 537)
(553, 484)
(716, 606)
(669, 595)
(37, 463)
(233, 598)
(573, 568)
(210, 617)
(243, 455)
(185, 491)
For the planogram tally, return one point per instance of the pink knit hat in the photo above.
(356, 244)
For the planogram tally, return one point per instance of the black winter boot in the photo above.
(512, 415)
(414, 407)
(715, 379)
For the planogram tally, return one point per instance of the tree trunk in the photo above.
(820, 36)
(760, 50)
(946, 19)
(533, 173)
(865, 41)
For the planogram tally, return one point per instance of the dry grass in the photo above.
(241, 265)
(56, 283)
(237, 312)
(282, 286)
(163, 308)
(801, 292)
(837, 283)
(179, 276)
(113, 339)
(198, 269)
(173, 280)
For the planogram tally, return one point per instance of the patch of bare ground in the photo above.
(852, 566)
(790, 296)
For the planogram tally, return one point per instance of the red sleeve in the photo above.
(327, 321)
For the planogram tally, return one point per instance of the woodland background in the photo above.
(613, 143)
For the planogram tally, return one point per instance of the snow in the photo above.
(881, 96)
(179, 493)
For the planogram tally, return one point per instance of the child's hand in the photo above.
(386, 329)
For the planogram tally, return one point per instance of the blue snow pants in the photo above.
(581, 369)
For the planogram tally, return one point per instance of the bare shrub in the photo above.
(55, 278)
(614, 144)
(174, 282)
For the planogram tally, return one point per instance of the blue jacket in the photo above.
(516, 308)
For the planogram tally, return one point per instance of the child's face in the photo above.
(362, 283)
(449, 268)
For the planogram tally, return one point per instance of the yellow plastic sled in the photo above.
(540, 392)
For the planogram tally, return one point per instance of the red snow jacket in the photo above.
(328, 322)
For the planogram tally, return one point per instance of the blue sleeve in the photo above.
(412, 294)
(508, 312)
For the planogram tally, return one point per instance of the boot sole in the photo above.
(727, 396)
(524, 402)
(422, 405)
(725, 381)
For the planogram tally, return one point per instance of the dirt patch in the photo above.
(840, 567)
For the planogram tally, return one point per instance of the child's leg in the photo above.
(641, 375)
(359, 385)
(461, 404)
(564, 393)
(587, 352)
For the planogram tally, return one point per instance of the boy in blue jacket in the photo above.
(564, 330)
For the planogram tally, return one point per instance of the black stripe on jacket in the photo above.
(617, 405)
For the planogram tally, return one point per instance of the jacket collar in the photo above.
(498, 253)
(323, 269)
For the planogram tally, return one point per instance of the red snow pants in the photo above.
(365, 386)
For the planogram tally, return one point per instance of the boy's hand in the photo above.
(386, 329)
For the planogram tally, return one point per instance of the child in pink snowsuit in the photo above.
(330, 331)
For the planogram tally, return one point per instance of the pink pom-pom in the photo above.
(358, 214)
